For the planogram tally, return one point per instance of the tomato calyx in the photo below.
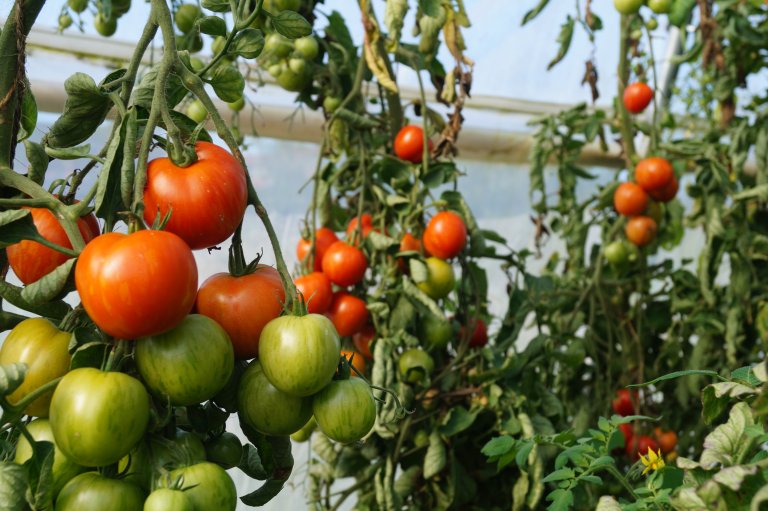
(182, 155)
(238, 267)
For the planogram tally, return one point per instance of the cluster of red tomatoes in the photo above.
(655, 182)
(190, 348)
(625, 403)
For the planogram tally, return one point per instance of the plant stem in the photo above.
(627, 133)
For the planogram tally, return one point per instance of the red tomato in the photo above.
(139, 284)
(207, 200)
(347, 313)
(639, 445)
(409, 144)
(654, 174)
(445, 235)
(317, 291)
(479, 334)
(640, 230)
(622, 403)
(637, 96)
(30, 260)
(243, 305)
(344, 264)
(667, 193)
(408, 243)
(667, 440)
(630, 199)
(363, 340)
(324, 238)
(628, 430)
(366, 222)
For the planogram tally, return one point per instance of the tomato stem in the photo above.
(627, 133)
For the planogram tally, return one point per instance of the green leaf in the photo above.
(248, 44)
(561, 499)
(109, 189)
(676, 374)
(145, 90)
(456, 420)
(564, 38)
(17, 225)
(535, 11)
(54, 310)
(282, 462)
(28, 115)
(523, 453)
(228, 83)
(69, 153)
(11, 377)
(559, 475)
(338, 31)
(85, 109)
(50, 286)
(394, 18)
(38, 161)
(419, 298)
(13, 485)
(291, 24)
(212, 25)
(408, 481)
(91, 354)
(419, 270)
(216, 5)
(250, 463)
(40, 475)
(435, 459)
(725, 444)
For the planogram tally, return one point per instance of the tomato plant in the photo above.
(345, 410)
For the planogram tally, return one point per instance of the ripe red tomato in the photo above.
(640, 230)
(344, 264)
(366, 226)
(316, 290)
(30, 260)
(667, 440)
(479, 334)
(630, 199)
(637, 96)
(622, 403)
(409, 144)
(139, 284)
(242, 305)
(639, 445)
(207, 199)
(667, 193)
(628, 430)
(445, 235)
(654, 173)
(363, 340)
(324, 238)
(347, 313)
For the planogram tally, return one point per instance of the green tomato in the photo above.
(275, 6)
(345, 410)
(120, 7)
(65, 21)
(170, 363)
(267, 409)
(652, 24)
(209, 487)
(37, 343)
(299, 354)
(97, 417)
(165, 499)
(620, 253)
(78, 5)
(628, 6)
(196, 111)
(190, 42)
(225, 450)
(292, 81)
(297, 65)
(421, 438)
(660, 6)
(440, 278)
(275, 70)
(237, 105)
(181, 450)
(185, 17)
(277, 45)
(196, 64)
(415, 365)
(331, 103)
(135, 466)
(63, 468)
(93, 492)
(307, 47)
(305, 432)
(105, 27)
(434, 333)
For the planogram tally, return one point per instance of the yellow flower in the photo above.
(652, 461)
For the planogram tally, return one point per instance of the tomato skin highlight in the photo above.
(97, 417)
(312, 346)
(654, 174)
(345, 410)
(207, 199)
(134, 285)
(324, 238)
(409, 144)
(637, 97)
(242, 305)
(93, 492)
(170, 363)
(348, 313)
(317, 291)
(268, 410)
(344, 264)
(630, 199)
(30, 260)
(45, 349)
(445, 236)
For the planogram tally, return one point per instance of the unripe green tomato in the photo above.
(307, 46)
(434, 333)
(440, 279)
(628, 6)
(237, 105)
(660, 6)
(186, 16)
(636, 34)
(277, 69)
(652, 24)
(196, 111)
(120, 7)
(196, 64)
(291, 81)
(166, 499)
(191, 43)
(620, 253)
(305, 432)
(105, 27)
(415, 365)
(277, 45)
(78, 5)
(65, 21)
(239, 138)
(225, 450)
(421, 438)
(331, 103)
(297, 65)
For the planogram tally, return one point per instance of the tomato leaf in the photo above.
(216, 5)
(38, 161)
(248, 44)
(291, 24)
(408, 481)
(12, 294)
(91, 354)
(17, 225)
(530, 15)
(228, 83)
(212, 25)
(456, 420)
(69, 153)
(50, 286)
(250, 463)
(283, 465)
(435, 459)
(40, 475)
(145, 90)
(564, 38)
(109, 188)
(13, 483)
(28, 115)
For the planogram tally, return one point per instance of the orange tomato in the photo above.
(363, 341)
(358, 361)
(640, 230)
(667, 193)
(445, 235)
(637, 97)
(324, 238)
(630, 199)
(654, 173)
(316, 290)
(667, 440)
